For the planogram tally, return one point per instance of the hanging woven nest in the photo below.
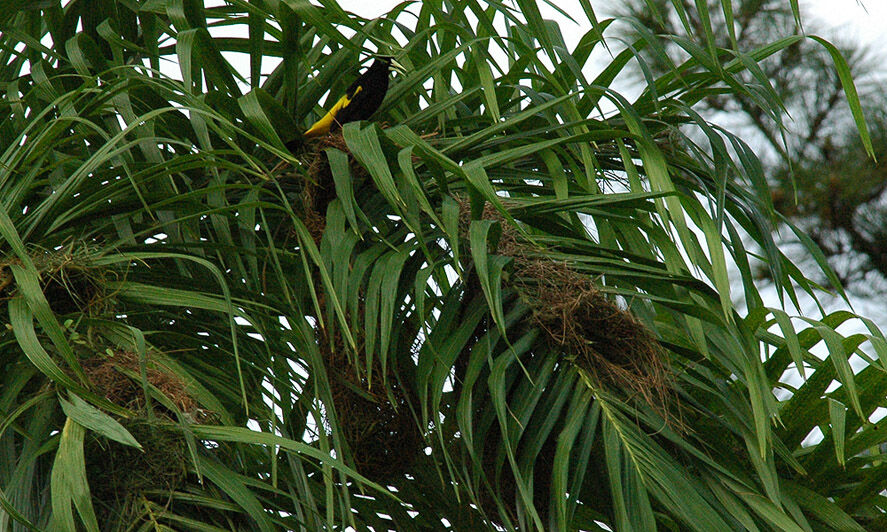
(118, 474)
(116, 378)
(319, 186)
(597, 335)
(593, 332)
(69, 279)
(373, 416)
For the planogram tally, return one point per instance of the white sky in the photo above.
(866, 21)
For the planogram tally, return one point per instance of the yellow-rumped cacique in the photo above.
(360, 101)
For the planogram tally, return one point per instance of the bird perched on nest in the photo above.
(360, 101)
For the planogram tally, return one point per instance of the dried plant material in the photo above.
(374, 417)
(319, 187)
(68, 279)
(314, 220)
(107, 376)
(320, 177)
(615, 350)
(119, 474)
(607, 342)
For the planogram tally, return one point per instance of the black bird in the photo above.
(360, 101)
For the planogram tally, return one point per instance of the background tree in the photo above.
(820, 174)
(503, 304)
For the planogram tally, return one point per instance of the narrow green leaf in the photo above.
(69, 483)
(846, 78)
(97, 421)
(837, 412)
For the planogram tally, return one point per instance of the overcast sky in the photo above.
(866, 21)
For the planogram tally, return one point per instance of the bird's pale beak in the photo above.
(397, 67)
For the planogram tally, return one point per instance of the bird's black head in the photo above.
(382, 63)
(386, 63)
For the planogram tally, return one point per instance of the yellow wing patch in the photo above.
(322, 126)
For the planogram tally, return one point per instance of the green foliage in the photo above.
(274, 323)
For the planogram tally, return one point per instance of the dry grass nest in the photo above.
(319, 186)
(108, 376)
(118, 474)
(68, 279)
(320, 189)
(374, 416)
(616, 350)
(609, 343)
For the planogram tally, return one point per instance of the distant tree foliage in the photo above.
(821, 175)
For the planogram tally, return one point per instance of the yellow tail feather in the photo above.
(322, 126)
